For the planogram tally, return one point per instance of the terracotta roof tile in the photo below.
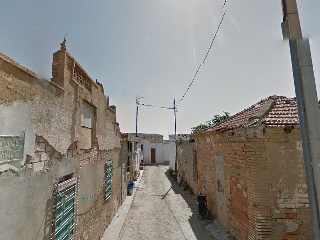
(272, 111)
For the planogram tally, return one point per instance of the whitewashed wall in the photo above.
(147, 151)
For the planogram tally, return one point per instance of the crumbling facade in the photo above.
(60, 166)
(251, 169)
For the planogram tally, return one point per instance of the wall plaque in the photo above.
(11, 148)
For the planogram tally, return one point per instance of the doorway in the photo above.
(153, 155)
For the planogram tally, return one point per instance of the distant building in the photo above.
(148, 147)
(151, 148)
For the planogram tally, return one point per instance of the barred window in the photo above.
(64, 209)
(109, 170)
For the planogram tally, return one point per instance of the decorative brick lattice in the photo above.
(81, 77)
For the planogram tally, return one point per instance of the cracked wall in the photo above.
(50, 114)
(265, 182)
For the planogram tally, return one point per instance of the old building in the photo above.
(251, 169)
(60, 166)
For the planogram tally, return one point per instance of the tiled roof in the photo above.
(272, 111)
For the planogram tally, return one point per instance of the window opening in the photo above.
(130, 146)
(87, 125)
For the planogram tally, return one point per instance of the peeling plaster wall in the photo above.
(14, 120)
(28, 206)
(28, 196)
(50, 113)
(49, 116)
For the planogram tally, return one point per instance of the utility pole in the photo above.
(175, 131)
(175, 119)
(137, 112)
(308, 106)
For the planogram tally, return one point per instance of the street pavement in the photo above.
(160, 209)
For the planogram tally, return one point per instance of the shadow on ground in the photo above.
(157, 164)
(191, 200)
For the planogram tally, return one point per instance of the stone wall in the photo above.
(262, 193)
(49, 112)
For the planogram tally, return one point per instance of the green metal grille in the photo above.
(109, 170)
(64, 220)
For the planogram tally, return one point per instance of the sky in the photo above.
(153, 48)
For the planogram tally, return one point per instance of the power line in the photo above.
(194, 77)
(150, 105)
(205, 58)
(224, 4)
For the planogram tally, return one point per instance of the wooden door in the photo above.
(153, 155)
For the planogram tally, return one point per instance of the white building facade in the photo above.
(148, 147)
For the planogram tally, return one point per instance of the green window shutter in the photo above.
(64, 214)
(109, 170)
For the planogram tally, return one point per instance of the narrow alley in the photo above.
(162, 210)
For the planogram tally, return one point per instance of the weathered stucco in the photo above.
(50, 114)
(260, 171)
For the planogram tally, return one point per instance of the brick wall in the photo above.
(186, 160)
(205, 165)
(264, 182)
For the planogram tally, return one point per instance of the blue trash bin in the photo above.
(130, 188)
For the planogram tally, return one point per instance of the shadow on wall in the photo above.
(46, 225)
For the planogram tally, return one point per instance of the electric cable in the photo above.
(205, 58)
(149, 105)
